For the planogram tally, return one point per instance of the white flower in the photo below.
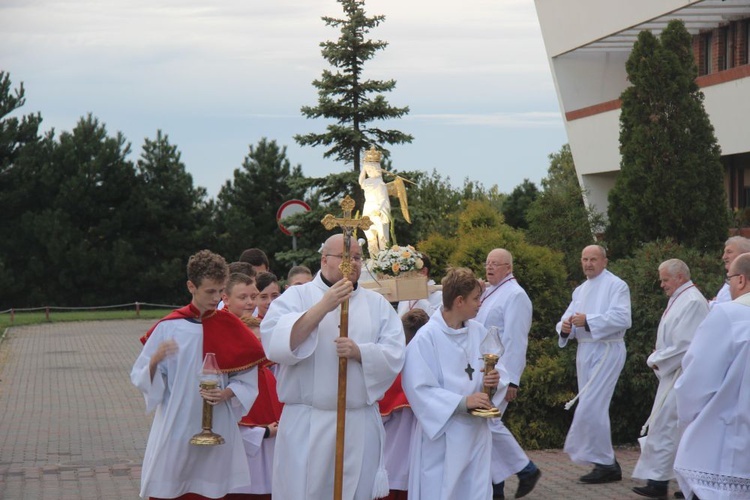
(398, 259)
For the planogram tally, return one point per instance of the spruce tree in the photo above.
(671, 178)
(247, 204)
(345, 96)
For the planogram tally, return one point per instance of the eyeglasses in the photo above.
(495, 264)
(730, 276)
(355, 258)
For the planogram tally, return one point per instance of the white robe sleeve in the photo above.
(154, 391)
(617, 316)
(683, 328)
(244, 384)
(383, 360)
(563, 341)
(432, 404)
(700, 379)
(276, 330)
(518, 313)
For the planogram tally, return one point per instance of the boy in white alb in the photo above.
(442, 379)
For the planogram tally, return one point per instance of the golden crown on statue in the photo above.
(373, 154)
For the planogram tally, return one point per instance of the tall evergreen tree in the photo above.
(19, 144)
(559, 218)
(671, 178)
(83, 246)
(174, 220)
(518, 203)
(345, 96)
(247, 204)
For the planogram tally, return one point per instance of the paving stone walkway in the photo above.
(72, 427)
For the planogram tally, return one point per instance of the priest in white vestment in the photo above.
(597, 318)
(442, 379)
(686, 309)
(733, 247)
(506, 305)
(713, 398)
(301, 333)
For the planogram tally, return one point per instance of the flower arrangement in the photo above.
(397, 260)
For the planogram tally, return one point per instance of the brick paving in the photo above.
(72, 427)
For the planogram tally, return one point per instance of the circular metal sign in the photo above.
(287, 209)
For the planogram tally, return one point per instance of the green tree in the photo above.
(174, 221)
(558, 218)
(19, 144)
(671, 179)
(345, 96)
(517, 204)
(83, 249)
(247, 204)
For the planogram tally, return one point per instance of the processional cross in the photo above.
(348, 225)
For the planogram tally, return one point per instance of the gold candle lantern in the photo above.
(209, 379)
(492, 349)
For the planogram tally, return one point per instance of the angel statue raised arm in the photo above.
(377, 204)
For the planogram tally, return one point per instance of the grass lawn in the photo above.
(30, 318)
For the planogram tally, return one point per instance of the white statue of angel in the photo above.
(377, 204)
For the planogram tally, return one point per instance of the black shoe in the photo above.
(679, 494)
(650, 491)
(603, 474)
(527, 484)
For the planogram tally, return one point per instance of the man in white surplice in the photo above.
(506, 305)
(597, 318)
(733, 247)
(686, 309)
(713, 398)
(451, 449)
(301, 333)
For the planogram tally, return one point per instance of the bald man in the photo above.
(301, 333)
(597, 318)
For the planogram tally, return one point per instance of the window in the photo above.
(706, 50)
(727, 38)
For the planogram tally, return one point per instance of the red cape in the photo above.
(267, 407)
(235, 346)
(394, 398)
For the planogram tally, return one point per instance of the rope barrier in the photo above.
(12, 311)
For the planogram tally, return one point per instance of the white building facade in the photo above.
(588, 43)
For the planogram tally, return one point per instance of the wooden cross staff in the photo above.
(348, 225)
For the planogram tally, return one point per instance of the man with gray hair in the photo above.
(713, 398)
(686, 309)
(505, 305)
(733, 247)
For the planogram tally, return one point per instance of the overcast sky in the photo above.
(218, 76)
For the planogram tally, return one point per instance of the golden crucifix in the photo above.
(348, 225)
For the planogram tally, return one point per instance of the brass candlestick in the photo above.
(209, 376)
(207, 437)
(490, 360)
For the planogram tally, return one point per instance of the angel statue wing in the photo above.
(397, 188)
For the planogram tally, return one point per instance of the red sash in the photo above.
(394, 398)
(267, 407)
(235, 346)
